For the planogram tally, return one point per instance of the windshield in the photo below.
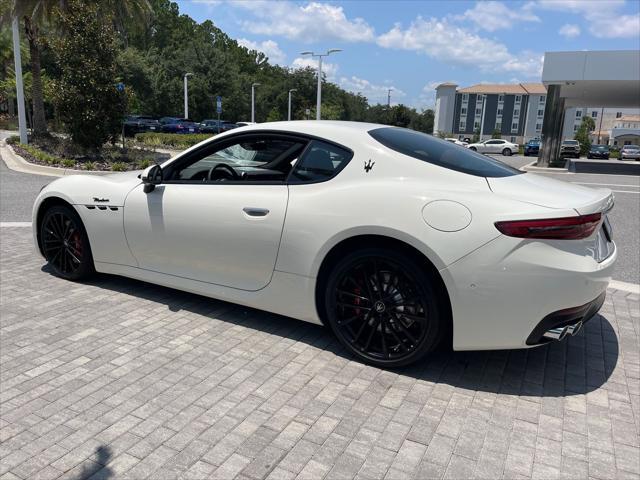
(600, 147)
(570, 142)
(440, 152)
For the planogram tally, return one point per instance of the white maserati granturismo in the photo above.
(395, 240)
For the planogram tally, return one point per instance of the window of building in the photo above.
(512, 139)
(478, 111)
(594, 114)
(514, 127)
(578, 113)
(476, 124)
(499, 111)
(518, 98)
(538, 127)
(618, 114)
(499, 126)
(500, 98)
(463, 111)
(516, 112)
(575, 128)
(463, 125)
(541, 112)
(543, 99)
(465, 97)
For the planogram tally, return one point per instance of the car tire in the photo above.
(506, 152)
(473, 149)
(383, 307)
(65, 244)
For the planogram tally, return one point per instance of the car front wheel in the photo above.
(65, 244)
(473, 148)
(383, 307)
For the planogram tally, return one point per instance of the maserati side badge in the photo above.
(368, 165)
(96, 199)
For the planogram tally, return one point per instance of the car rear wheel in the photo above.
(65, 244)
(383, 307)
(473, 148)
(506, 152)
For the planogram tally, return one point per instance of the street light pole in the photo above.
(290, 92)
(186, 95)
(320, 55)
(22, 124)
(253, 101)
(389, 97)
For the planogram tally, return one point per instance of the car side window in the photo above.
(320, 161)
(249, 158)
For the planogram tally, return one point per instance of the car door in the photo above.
(492, 146)
(222, 231)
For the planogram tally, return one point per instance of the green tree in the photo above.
(476, 136)
(496, 134)
(88, 102)
(582, 135)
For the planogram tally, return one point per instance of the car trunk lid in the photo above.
(552, 193)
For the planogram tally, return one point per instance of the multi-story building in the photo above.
(514, 111)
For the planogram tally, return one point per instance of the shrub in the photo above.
(90, 165)
(119, 167)
(68, 163)
(144, 163)
(13, 139)
(176, 140)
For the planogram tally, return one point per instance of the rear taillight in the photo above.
(567, 228)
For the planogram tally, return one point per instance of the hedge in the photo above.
(176, 140)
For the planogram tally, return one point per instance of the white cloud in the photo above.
(603, 17)
(308, 23)
(328, 69)
(448, 43)
(374, 93)
(569, 30)
(492, 15)
(268, 47)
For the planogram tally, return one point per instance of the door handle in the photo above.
(256, 212)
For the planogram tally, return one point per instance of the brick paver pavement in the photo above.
(128, 380)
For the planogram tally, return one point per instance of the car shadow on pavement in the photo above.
(575, 366)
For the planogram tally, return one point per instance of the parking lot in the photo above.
(122, 379)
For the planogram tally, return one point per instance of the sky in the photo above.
(411, 46)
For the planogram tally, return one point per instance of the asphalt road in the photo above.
(18, 191)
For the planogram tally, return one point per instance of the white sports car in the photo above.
(394, 239)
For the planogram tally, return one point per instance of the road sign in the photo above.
(219, 104)
(120, 86)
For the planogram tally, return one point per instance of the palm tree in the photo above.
(38, 13)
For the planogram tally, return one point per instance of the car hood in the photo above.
(551, 193)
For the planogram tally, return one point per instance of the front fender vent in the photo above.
(101, 207)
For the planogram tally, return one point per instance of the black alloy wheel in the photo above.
(65, 243)
(383, 308)
(506, 152)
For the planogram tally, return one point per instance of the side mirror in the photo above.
(151, 177)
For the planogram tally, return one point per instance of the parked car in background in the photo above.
(139, 124)
(532, 147)
(216, 126)
(630, 152)
(570, 148)
(179, 125)
(457, 142)
(598, 151)
(495, 145)
(244, 124)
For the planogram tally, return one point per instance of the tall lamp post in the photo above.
(22, 124)
(186, 95)
(320, 55)
(253, 101)
(389, 97)
(290, 92)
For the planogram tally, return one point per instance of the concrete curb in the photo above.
(529, 167)
(625, 287)
(15, 162)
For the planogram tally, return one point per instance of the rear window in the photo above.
(442, 153)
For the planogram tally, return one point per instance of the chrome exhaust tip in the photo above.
(556, 333)
(575, 328)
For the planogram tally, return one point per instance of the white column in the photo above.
(186, 99)
(22, 121)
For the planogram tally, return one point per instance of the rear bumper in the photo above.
(563, 318)
(500, 292)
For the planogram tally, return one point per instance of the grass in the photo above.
(172, 140)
